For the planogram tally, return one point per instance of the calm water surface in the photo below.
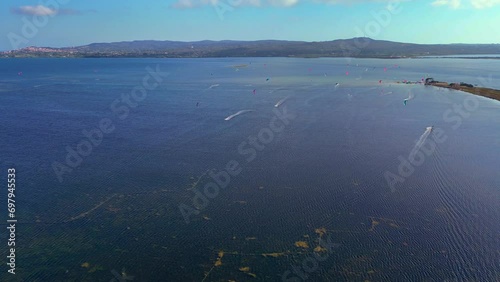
(318, 177)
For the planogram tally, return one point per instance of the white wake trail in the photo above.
(237, 114)
(281, 102)
(410, 96)
(421, 141)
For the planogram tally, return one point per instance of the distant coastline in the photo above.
(469, 88)
(361, 47)
(461, 56)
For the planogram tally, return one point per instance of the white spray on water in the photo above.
(237, 114)
(421, 141)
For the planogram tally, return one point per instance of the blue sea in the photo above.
(335, 170)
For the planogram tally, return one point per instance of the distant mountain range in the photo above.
(362, 47)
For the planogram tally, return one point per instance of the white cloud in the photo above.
(481, 4)
(39, 10)
(283, 3)
(258, 3)
(353, 1)
(477, 4)
(185, 4)
(455, 4)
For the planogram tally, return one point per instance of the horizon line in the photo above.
(236, 40)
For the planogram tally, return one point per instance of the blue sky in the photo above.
(59, 23)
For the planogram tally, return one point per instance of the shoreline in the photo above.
(480, 91)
